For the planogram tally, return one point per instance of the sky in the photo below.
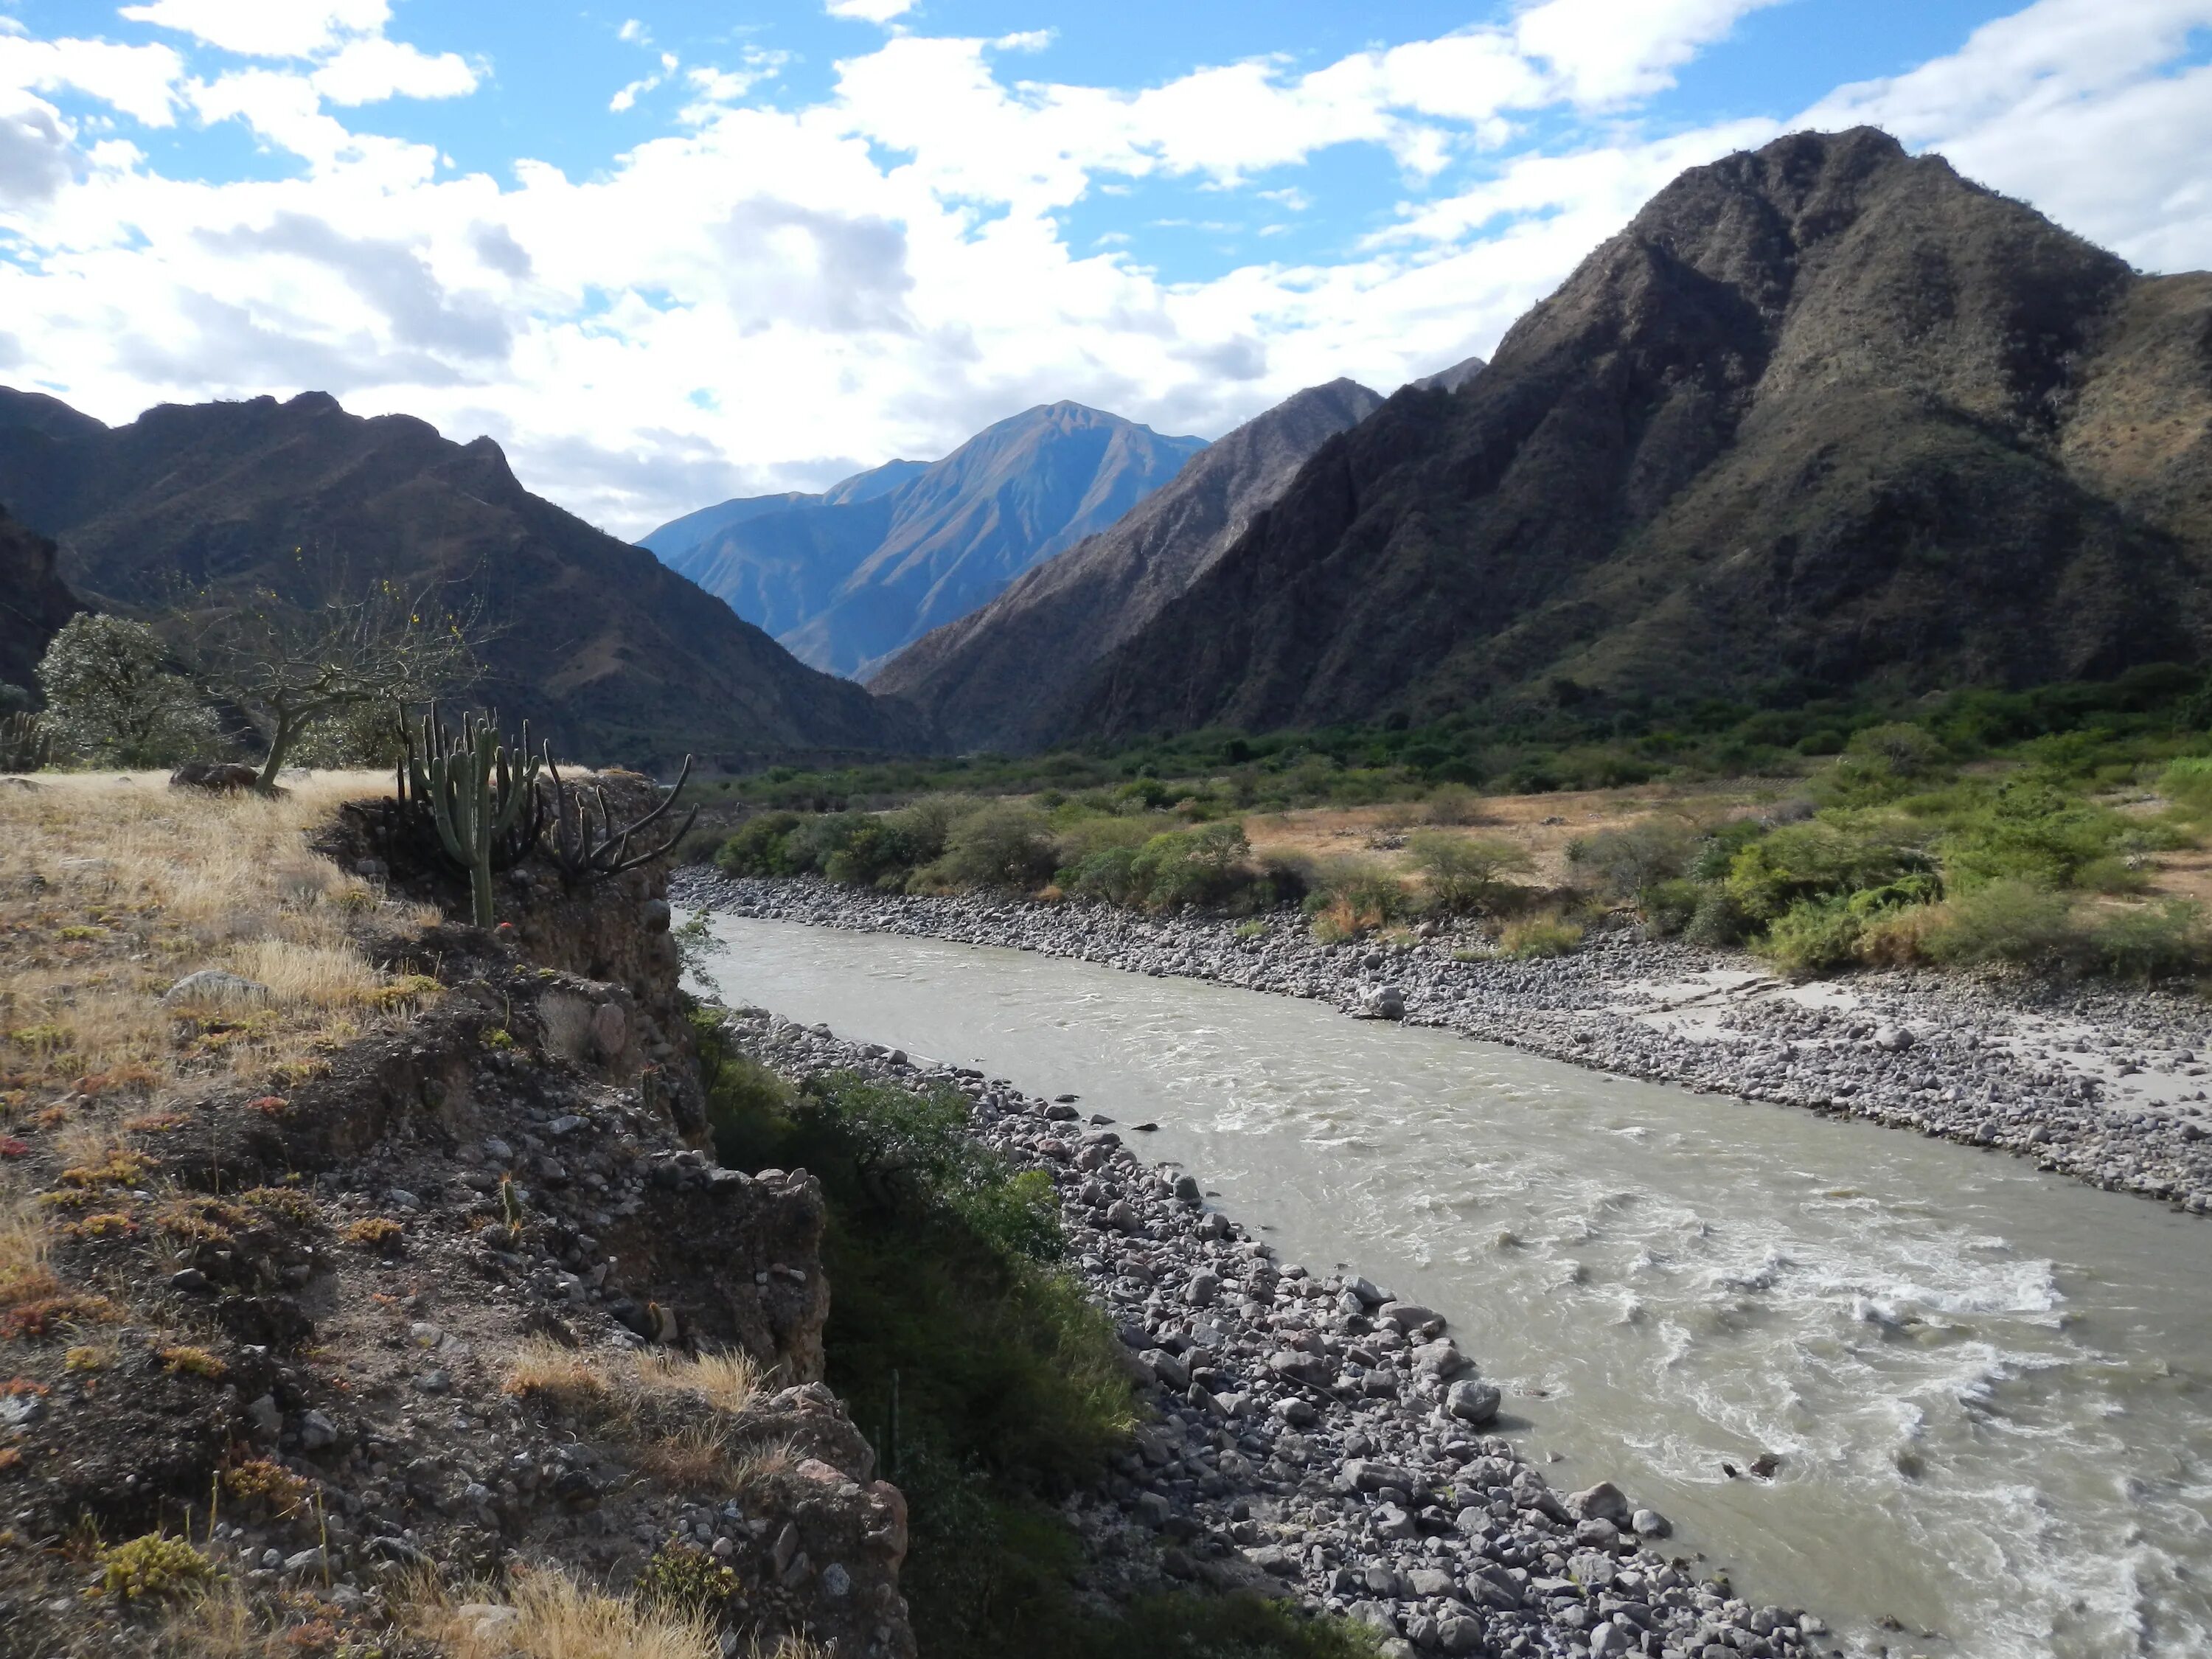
(668, 253)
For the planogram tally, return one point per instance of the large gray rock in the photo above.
(1473, 1402)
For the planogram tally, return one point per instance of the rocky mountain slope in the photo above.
(996, 678)
(613, 654)
(847, 579)
(34, 602)
(1823, 414)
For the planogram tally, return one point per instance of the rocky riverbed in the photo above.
(2105, 1084)
(1313, 1429)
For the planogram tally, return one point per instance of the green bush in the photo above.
(2150, 942)
(1202, 866)
(2187, 783)
(1536, 936)
(2007, 920)
(1813, 937)
(1002, 845)
(2028, 830)
(1463, 875)
(756, 849)
(1628, 862)
(1819, 860)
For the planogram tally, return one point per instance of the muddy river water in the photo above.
(1989, 1389)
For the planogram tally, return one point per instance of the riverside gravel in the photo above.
(2102, 1084)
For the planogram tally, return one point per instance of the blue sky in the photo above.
(666, 253)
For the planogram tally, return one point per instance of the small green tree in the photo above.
(1464, 874)
(112, 699)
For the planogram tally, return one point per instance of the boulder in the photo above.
(1473, 1402)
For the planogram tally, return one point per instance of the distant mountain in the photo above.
(1452, 378)
(846, 578)
(604, 649)
(1825, 416)
(34, 602)
(679, 535)
(997, 677)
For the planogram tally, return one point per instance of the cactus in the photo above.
(482, 796)
(586, 852)
(25, 746)
(510, 1203)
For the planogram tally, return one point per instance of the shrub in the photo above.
(1820, 859)
(2010, 921)
(2028, 831)
(758, 849)
(2149, 942)
(1628, 862)
(1813, 937)
(1202, 866)
(815, 841)
(1464, 874)
(1456, 804)
(155, 1567)
(686, 1579)
(2187, 783)
(1718, 923)
(1881, 764)
(1002, 845)
(1533, 937)
(112, 699)
(1349, 900)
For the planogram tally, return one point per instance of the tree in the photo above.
(113, 698)
(288, 667)
(1464, 874)
(1630, 861)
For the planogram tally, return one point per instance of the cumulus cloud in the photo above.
(757, 298)
(266, 28)
(870, 11)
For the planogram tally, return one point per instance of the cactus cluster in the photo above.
(588, 852)
(481, 794)
(483, 798)
(25, 744)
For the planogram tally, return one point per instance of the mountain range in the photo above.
(1824, 416)
(607, 651)
(846, 578)
(997, 677)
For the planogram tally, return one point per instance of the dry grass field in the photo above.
(113, 889)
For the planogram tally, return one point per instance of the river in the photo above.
(1990, 1388)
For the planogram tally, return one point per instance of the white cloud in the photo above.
(886, 269)
(870, 11)
(635, 32)
(1608, 51)
(266, 28)
(371, 69)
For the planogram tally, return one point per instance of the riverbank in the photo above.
(2107, 1086)
(1313, 1430)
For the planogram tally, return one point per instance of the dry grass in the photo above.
(731, 1382)
(113, 888)
(613, 1392)
(556, 1617)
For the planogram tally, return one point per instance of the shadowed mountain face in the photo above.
(604, 649)
(34, 603)
(997, 679)
(1824, 414)
(847, 578)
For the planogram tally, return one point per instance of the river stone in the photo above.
(1473, 1402)
(1441, 1359)
(1405, 1316)
(1187, 1191)
(1168, 1369)
(1602, 1502)
(1649, 1523)
(1203, 1290)
(1295, 1367)
(1371, 1474)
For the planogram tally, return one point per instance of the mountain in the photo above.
(679, 535)
(606, 649)
(34, 603)
(1825, 415)
(846, 578)
(994, 679)
(1452, 378)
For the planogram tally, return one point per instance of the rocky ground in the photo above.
(464, 1299)
(1313, 1430)
(2105, 1084)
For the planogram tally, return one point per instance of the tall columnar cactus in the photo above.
(482, 796)
(25, 746)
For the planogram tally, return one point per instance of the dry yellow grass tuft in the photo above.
(550, 1616)
(114, 888)
(730, 1381)
(544, 1369)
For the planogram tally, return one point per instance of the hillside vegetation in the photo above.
(2054, 831)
